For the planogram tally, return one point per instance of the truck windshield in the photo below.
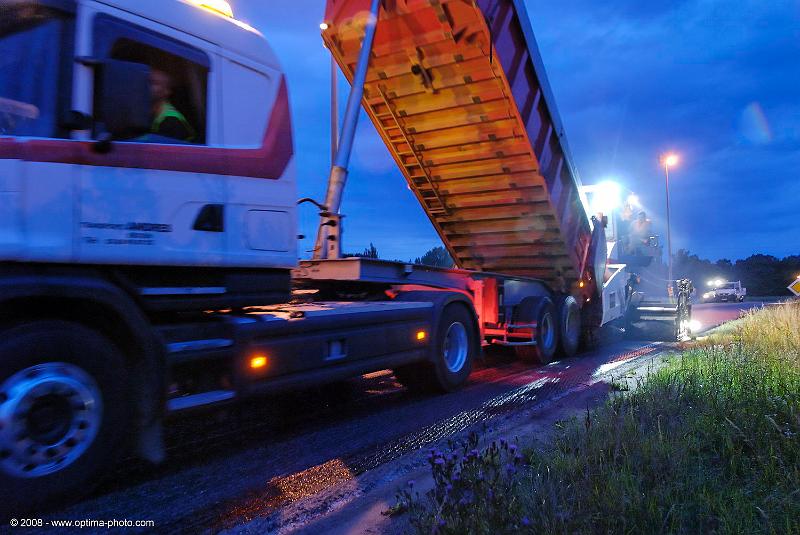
(32, 68)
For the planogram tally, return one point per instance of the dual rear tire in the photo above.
(558, 329)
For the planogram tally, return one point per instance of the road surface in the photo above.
(711, 315)
(250, 465)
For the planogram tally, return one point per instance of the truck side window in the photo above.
(178, 79)
(35, 70)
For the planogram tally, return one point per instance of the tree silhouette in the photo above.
(369, 252)
(762, 275)
(436, 257)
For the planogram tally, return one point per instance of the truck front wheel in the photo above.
(456, 345)
(63, 411)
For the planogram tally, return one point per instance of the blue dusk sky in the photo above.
(717, 81)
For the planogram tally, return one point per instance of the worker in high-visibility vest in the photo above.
(167, 120)
(640, 232)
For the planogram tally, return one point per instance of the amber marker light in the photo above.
(258, 362)
(581, 284)
(421, 335)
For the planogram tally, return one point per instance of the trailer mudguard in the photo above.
(440, 300)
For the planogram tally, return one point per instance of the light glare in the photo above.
(671, 159)
(217, 6)
(606, 197)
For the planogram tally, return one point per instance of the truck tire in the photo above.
(570, 328)
(64, 411)
(541, 311)
(456, 345)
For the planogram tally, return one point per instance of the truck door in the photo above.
(10, 200)
(261, 207)
(36, 192)
(149, 199)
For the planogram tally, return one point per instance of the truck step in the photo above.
(199, 345)
(199, 400)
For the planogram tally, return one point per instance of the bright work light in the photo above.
(217, 6)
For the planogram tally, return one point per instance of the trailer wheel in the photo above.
(541, 311)
(570, 327)
(456, 346)
(64, 411)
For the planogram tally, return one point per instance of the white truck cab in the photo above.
(84, 180)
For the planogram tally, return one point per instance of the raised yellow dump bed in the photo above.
(457, 90)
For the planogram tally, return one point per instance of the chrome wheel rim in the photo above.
(49, 416)
(456, 346)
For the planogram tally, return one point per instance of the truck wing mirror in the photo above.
(75, 120)
(122, 99)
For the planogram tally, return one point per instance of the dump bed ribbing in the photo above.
(457, 91)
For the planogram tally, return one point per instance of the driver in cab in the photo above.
(167, 120)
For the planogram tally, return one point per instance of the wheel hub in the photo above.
(48, 419)
(49, 416)
(456, 346)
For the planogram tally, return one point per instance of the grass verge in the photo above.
(708, 444)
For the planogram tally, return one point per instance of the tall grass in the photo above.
(708, 444)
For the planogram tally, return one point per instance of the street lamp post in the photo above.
(669, 160)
